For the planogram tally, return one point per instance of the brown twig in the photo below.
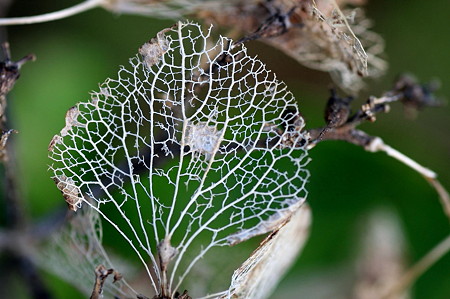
(9, 73)
(337, 113)
(413, 96)
(342, 126)
(15, 215)
(101, 274)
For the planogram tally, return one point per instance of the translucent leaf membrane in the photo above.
(188, 148)
(73, 252)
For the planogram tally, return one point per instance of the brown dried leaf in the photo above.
(274, 223)
(70, 192)
(319, 36)
(260, 273)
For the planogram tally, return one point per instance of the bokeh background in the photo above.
(76, 54)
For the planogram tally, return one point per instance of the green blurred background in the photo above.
(75, 54)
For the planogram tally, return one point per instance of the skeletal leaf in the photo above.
(187, 149)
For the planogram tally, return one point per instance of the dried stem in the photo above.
(15, 215)
(378, 145)
(101, 273)
(9, 71)
(443, 195)
(342, 126)
(57, 15)
(413, 95)
(419, 268)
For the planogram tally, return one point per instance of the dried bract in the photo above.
(381, 263)
(9, 70)
(414, 95)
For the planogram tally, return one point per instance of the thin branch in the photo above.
(377, 144)
(443, 195)
(419, 268)
(15, 215)
(9, 73)
(341, 126)
(101, 273)
(57, 15)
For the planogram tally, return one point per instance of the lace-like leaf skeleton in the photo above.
(185, 151)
